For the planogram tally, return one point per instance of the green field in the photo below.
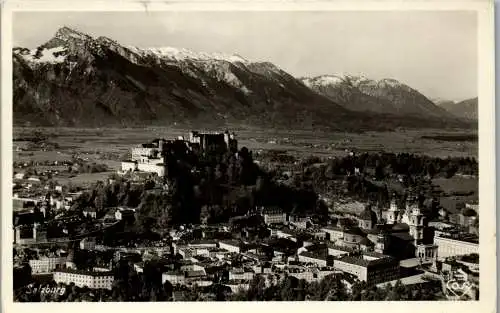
(109, 146)
(300, 142)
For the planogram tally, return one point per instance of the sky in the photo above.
(434, 52)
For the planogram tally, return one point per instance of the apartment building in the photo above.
(91, 279)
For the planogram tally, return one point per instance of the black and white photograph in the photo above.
(248, 155)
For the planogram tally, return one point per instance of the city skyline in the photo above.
(434, 52)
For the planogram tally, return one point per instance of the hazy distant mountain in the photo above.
(384, 96)
(77, 80)
(463, 109)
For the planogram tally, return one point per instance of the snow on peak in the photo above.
(390, 82)
(51, 55)
(356, 79)
(325, 80)
(181, 54)
(329, 80)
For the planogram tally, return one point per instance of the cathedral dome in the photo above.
(400, 227)
(356, 231)
(468, 212)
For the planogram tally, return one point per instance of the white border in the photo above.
(484, 9)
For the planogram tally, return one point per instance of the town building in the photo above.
(214, 141)
(467, 216)
(88, 243)
(150, 157)
(187, 275)
(334, 233)
(352, 237)
(274, 216)
(309, 274)
(29, 234)
(371, 269)
(300, 222)
(238, 285)
(337, 251)
(90, 212)
(124, 213)
(147, 157)
(241, 274)
(317, 257)
(230, 245)
(47, 264)
(174, 277)
(455, 245)
(90, 279)
(367, 219)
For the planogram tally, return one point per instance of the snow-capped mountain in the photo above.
(360, 93)
(78, 80)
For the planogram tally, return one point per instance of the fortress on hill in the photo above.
(150, 157)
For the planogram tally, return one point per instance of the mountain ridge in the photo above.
(76, 80)
(386, 95)
(467, 108)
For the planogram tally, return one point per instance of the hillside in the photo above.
(464, 109)
(77, 80)
(383, 96)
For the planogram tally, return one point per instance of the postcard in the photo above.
(283, 155)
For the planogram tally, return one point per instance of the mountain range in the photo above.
(359, 93)
(78, 80)
(467, 109)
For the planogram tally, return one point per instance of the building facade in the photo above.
(372, 271)
(47, 264)
(274, 216)
(90, 279)
(451, 247)
(230, 245)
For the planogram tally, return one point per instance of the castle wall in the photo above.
(152, 168)
(129, 166)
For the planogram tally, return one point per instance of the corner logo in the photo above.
(456, 285)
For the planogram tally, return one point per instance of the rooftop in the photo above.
(235, 243)
(331, 245)
(400, 227)
(470, 238)
(82, 272)
(319, 256)
(202, 242)
(354, 231)
(367, 263)
(332, 227)
(403, 236)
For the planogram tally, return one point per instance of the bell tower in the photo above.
(393, 212)
(382, 244)
(416, 224)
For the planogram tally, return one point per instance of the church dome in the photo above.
(400, 227)
(354, 231)
(468, 212)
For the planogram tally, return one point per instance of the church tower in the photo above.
(416, 224)
(382, 244)
(39, 233)
(393, 212)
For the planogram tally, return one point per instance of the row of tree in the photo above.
(147, 286)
